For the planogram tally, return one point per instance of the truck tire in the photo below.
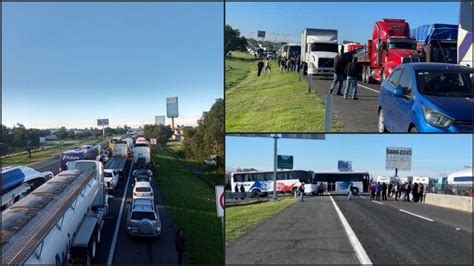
(369, 77)
(363, 74)
(92, 249)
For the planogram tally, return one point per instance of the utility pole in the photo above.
(275, 163)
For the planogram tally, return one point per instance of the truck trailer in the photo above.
(84, 152)
(390, 46)
(60, 221)
(437, 42)
(319, 47)
(141, 152)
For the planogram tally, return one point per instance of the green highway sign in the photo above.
(285, 162)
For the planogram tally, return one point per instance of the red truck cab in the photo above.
(390, 46)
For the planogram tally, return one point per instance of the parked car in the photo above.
(111, 178)
(270, 55)
(427, 97)
(143, 219)
(142, 189)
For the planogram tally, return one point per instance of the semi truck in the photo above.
(390, 46)
(60, 221)
(437, 42)
(119, 158)
(141, 152)
(16, 182)
(319, 48)
(85, 152)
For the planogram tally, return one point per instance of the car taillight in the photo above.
(135, 194)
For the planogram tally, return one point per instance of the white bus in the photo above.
(339, 181)
(261, 182)
(465, 34)
(462, 177)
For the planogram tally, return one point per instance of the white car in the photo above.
(111, 178)
(142, 189)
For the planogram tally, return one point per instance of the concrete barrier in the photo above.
(462, 203)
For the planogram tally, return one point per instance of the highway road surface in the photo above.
(352, 115)
(352, 231)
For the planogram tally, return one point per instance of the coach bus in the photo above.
(261, 182)
(339, 181)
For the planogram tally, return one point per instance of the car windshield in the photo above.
(324, 47)
(143, 189)
(143, 215)
(142, 178)
(445, 83)
(398, 44)
(107, 174)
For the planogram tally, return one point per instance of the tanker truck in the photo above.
(60, 221)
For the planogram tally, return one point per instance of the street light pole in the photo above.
(275, 162)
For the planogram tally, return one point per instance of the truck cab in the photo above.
(319, 50)
(390, 46)
(111, 178)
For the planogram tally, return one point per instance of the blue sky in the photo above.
(67, 64)
(354, 21)
(432, 154)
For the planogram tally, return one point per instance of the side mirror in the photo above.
(400, 92)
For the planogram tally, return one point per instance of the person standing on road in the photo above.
(384, 191)
(301, 190)
(179, 242)
(339, 68)
(397, 191)
(260, 67)
(414, 192)
(372, 191)
(421, 190)
(242, 189)
(298, 64)
(282, 64)
(378, 188)
(390, 190)
(236, 188)
(407, 191)
(349, 196)
(352, 72)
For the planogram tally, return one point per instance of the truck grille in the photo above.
(326, 62)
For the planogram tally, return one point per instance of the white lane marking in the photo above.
(119, 219)
(419, 216)
(370, 89)
(377, 202)
(358, 248)
(362, 197)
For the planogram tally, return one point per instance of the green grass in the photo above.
(274, 102)
(41, 155)
(240, 219)
(192, 206)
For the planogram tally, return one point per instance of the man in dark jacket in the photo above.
(352, 72)
(179, 242)
(260, 67)
(339, 68)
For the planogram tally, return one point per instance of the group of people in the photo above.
(289, 64)
(378, 189)
(345, 70)
(261, 65)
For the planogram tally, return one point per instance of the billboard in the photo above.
(171, 107)
(159, 120)
(103, 122)
(399, 158)
(261, 34)
(285, 162)
(344, 166)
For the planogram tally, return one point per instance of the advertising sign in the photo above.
(103, 122)
(171, 107)
(159, 120)
(399, 158)
(344, 166)
(261, 34)
(285, 162)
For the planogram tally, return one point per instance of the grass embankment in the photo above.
(192, 206)
(240, 219)
(44, 154)
(273, 102)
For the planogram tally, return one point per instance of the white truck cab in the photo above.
(319, 50)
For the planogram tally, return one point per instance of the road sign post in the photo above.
(220, 207)
(275, 163)
(328, 113)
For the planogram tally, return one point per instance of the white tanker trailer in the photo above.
(58, 222)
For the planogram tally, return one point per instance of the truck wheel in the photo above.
(382, 76)
(381, 123)
(363, 74)
(92, 248)
(368, 77)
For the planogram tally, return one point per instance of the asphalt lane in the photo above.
(131, 250)
(390, 236)
(352, 115)
(307, 232)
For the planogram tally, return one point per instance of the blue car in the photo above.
(427, 97)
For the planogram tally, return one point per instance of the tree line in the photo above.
(19, 138)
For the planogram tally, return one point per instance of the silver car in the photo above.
(143, 219)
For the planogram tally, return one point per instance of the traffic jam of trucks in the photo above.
(58, 219)
(431, 90)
